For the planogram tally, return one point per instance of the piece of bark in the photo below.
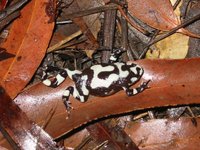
(20, 132)
(108, 33)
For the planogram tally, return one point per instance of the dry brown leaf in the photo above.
(28, 39)
(172, 47)
(157, 14)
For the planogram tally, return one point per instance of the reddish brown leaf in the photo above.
(2, 148)
(76, 140)
(165, 134)
(3, 4)
(28, 40)
(173, 82)
(114, 135)
(19, 130)
(157, 14)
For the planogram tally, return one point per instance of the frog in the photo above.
(103, 79)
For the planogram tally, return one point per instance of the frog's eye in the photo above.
(117, 51)
(139, 70)
(63, 73)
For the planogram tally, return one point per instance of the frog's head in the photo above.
(136, 69)
(116, 53)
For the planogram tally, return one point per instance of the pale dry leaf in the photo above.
(173, 47)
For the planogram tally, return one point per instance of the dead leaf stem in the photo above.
(67, 39)
(91, 11)
(171, 32)
(8, 19)
(6, 12)
(176, 4)
(129, 21)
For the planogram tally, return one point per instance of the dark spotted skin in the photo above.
(99, 80)
(116, 85)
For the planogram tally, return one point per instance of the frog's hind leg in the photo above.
(72, 90)
(139, 89)
(65, 98)
(60, 77)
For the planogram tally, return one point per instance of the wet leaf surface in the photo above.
(165, 134)
(28, 39)
(18, 129)
(175, 83)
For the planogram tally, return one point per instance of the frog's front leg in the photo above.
(76, 94)
(65, 98)
(142, 87)
(115, 54)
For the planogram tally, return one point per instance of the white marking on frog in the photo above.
(47, 82)
(60, 79)
(133, 69)
(141, 70)
(72, 72)
(77, 95)
(134, 79)
(135, 91)
(112, 58)
(83, 86)
(122, 74)
(96, 82)
(66, 93)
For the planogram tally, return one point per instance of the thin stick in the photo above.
(91, 11)
(172, 31)
(176, 4)
(83, 143)
(67, 39)
(8, 19)
(11, 9)
(100, 9)
(70, 44)
(49, 116)
(169, 33)
(101, 145)
(129, 21)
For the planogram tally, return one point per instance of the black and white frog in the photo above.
(99, 80)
